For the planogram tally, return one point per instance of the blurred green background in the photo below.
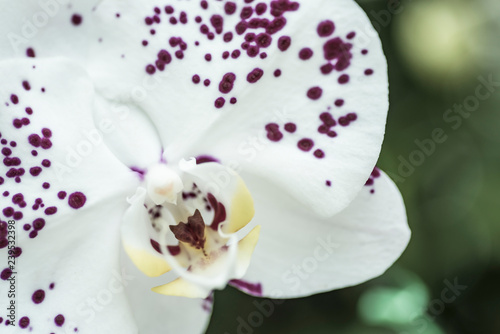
(436, 51)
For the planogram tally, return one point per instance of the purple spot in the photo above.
(26, 85)
(24, 322)
(352, 117)
(16, 252)
(61, 195)
(35, 140)
(228, 37)
(284, 43)
(150, 69)
(306, 54)
(76, 19)
(255, 75)
(261, 8)
(219, 103)
(264, 40)
(315, 93)
(227, 83)
(217, 22)
(235, 54)
(5, 275)
(77, 200)
(369, 71)
(273, 132)
(305, 144)
(6, 151)
(343, 79)
(290, 127)
(30, 53)
(50, 210)
(14, 99)
(35, 171)
(38, 296)
(326, 28)
(39, 224)
(46, 133)
(230, 8)
(59, 320)
(319, 154)
(169, 9)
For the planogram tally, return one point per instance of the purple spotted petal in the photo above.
(63, 191)
(293, 91)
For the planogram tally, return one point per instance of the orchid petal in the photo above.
(312, 111)
(66, 193)
(309, 256)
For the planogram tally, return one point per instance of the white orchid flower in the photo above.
(152, 154)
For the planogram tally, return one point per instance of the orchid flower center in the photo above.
(187, 222)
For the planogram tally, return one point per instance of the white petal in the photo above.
(156, 313)
(68, 202)
(299, 255)
(249, 132)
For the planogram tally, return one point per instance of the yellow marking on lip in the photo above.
(246, 247)
(151, 265)
(181, 288)
(242, 209)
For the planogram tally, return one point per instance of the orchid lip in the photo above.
(187, 228)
